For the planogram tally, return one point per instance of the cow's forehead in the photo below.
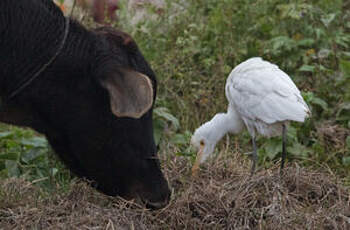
(117, 36)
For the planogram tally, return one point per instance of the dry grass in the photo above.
(223, 196)
(333, 135)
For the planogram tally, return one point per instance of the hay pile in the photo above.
(223, 196)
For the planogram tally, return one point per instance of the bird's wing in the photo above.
(261, 91)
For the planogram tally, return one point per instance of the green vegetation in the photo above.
(193, 45)
(27, 155)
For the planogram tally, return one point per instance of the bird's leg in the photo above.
(254, 157)
(284, 143)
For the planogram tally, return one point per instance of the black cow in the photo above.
(90, 92)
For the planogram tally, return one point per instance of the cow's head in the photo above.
(110, 133)
(94, 102)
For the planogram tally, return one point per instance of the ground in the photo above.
(222, 196)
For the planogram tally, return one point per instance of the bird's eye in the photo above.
(201, 142)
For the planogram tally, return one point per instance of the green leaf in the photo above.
(292, 10)
(307, 68)
(346, 161)
(12, 168)
(5, 134)
(328, 19)
(348, 142)
(320, 102)
(31, 155)
(292, 133)
(180, 139)
(282, 42)
(343, 113)
(272, 148)
(345, 67)
(158, 126)
(9, 156)
(342, 40)
(306, 42)
(35, 142)
(298, 150)
(165, 114)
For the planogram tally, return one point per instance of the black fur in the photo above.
(67, 102)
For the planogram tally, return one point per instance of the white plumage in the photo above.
(261, 98)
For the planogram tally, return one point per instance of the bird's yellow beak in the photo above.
(198, 160)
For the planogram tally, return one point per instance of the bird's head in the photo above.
(206, 136)
(203, 142)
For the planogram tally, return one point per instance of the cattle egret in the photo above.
(261, 98)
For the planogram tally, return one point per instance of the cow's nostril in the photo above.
(156, 205)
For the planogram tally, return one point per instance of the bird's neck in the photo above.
(223, 123)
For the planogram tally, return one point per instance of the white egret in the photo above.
(262, 98)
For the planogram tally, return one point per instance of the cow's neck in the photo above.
(28, 53)
(31, 32)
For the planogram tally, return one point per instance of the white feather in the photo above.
(264, 95)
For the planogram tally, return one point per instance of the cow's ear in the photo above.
(130, 92)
